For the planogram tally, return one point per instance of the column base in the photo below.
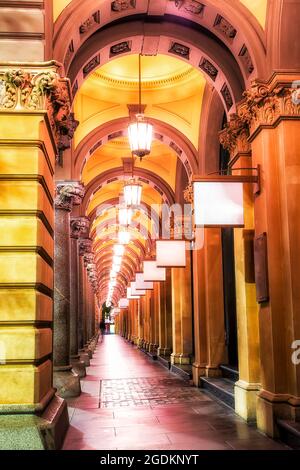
(177, 358)
(271, 407)
(78, 366)
(245, 395)
(164, 351)
(84, 357)
(198, 371)
(32, 432)
(213, 371)
(66, 382)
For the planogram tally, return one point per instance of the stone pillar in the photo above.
(65, 380)
(235, 139)
(272, 110)
(214, 304)
(85, 247)
(182, 314)
(201, 358)
(270, 115)
(31, 415)
(165, 316)
(79, 225)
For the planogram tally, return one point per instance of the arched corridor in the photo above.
(149, 188)
(129, 401)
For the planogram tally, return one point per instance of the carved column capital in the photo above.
(85, 246)
(68, 194)
(79, 227)
(188, 194)
(266, 102)
(234, 137)
(40, 88)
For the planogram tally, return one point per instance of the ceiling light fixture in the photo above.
(140, 131)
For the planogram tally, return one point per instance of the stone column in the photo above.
(200, 332)
(235, 139)
(214, 303)
(272, 110)
(65, 380)
(182, 314)
(79, 226)
(165, 316)
(85, 247)
(31, 415)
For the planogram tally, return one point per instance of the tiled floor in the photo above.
(131, 402)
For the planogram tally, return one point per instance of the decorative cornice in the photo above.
(150, 84)
(68, 193)
(79, 227)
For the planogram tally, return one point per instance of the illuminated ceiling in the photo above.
(162, 160)
(172, 92)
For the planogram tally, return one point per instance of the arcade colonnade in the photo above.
(53, 248)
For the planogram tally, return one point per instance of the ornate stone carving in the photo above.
(227, 96)
(120, 48)
(85, 246)
(91, 21)
(66, 128)
(209, 68)
(264, 103)
(245, 55)
(176, 148)
(180, 49)
(188, 194)
(222, 25)
(191, 6)
(42, 90)
(68, 194)
(79, 227)
(121, 5)
(88, 258)
(235, 135)
(91, 65)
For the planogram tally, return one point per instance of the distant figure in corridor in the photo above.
(102, 329)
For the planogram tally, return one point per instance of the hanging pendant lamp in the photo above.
(140, 131)
(132, 192)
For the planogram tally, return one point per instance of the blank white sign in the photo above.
(218, 204)
(170, 253)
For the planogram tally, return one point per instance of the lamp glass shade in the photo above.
(135, 291)
(218, 204)
(119, 250)
(116, 268)
(124, 237)
(153, 273)
(170, 253)
(140, 134)
(125, 215)
(132, 193)
(117, 260)
(140, 283)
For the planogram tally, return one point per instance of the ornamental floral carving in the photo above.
(188, 194)
(79, 227)
(235, 135)
(263, 104)
(22, 89)
(85, 246)
(68, 194)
